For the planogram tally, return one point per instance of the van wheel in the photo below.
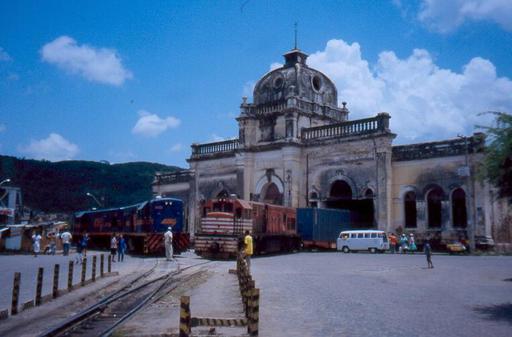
(373, 250)
(346, 250)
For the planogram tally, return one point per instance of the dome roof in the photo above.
(295, 78)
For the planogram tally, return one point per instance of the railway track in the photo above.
(103, 317)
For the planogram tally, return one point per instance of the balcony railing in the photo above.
(380, 123)
(217, 147)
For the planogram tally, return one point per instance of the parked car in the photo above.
(456, 247)
(484, 242)
(370, 240)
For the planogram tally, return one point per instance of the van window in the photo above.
(353, 235)
(367, 235)
(360, 235)
(374, 235)
(344, 236)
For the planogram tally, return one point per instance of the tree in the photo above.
(498, 161)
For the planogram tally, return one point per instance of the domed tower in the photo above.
(287, 99)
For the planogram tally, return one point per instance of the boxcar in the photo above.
(142, 225)
(224, 222)
(320, 227)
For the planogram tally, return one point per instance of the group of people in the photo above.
(117, 246)
(402, 244)
(52, 242)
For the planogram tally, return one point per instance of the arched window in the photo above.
(434, 207)
(410, 209)
(459, 212)
(341, 190)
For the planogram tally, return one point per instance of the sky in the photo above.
(142, 80)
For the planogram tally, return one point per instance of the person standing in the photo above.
(121, 248)
(248, 251)
(412, 243)
(84, 242)
(428, 253)
(392, 243)
(79, 257)
(66, 241)
(113, 247)
(168, 244)
(52, 239)
(36, 243)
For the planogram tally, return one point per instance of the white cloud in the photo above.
(95, 64)
(4, 57)
(53, 148)
(2, 127)
(445, 16)
(424, 100)
(151, 125)
(176, 147)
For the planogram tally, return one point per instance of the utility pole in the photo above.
(470, 197)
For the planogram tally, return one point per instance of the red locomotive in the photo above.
(224, 222)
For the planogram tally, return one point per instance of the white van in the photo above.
(371, 240)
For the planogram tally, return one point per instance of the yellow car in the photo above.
(456, 248)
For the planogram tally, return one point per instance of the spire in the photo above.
(295, 46)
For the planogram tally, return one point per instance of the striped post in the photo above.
(70, 275)
(94, 268)
(109, 265)
(84, 270)
(39, 285)
(254, 312)
(56, 270)
(102, 264)
(15, 293)
(185, 329)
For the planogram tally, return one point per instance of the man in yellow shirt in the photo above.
(248, 249)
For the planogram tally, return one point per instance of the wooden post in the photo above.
(15, 293)
(39, 285)
(84, 270)
(102, 264)
(185, 316)
(56, 270)
(70, 275)
(254, 313)
(94, 268)
(109, 265)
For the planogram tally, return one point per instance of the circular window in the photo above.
(278, 82)
(317, 83)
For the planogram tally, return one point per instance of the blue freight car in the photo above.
(320, 227)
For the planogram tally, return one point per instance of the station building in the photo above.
(297, 147)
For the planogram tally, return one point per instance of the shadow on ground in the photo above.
(498, 312)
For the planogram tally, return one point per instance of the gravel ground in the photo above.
(336, 294)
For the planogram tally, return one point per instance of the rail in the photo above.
(380, 123)
(217, 147)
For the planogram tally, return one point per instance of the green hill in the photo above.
(62, 186)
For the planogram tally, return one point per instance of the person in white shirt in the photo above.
(66, 241)
(168, 244)
(36, 243)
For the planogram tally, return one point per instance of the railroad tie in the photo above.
(15, 293)
(201, 321)
(185, 328)
(70, 275)
(56, 271)
(39, 285)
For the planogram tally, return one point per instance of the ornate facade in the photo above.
(297, 147)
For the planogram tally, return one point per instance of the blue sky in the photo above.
(142, 80)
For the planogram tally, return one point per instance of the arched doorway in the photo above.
(434, 207)
(410, 209)
(459, 212)
(361, 210)
(272, 195)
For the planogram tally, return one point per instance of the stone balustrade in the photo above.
(217, 147)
